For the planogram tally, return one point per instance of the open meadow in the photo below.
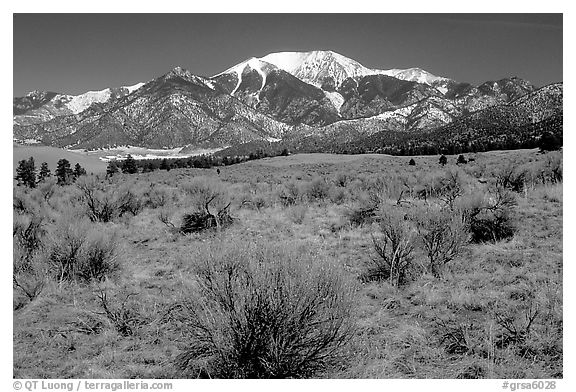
(309, 265)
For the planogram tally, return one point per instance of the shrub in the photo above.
(342, 179)
(78, 253)
(364, 210)
(28, 270)
(489, 218)
(289, 194)
(100, 257)
(23, 203)
(205, 192)
(449, 188)
(263, 311)
(100, 205)
(31, 283)
(550, 171)
(443, 236)
(256, 201)
(394, 245)
(124, 317)
(27, 235)
(155, 196)
(317, 189)
(128, 202)
(47, 188)
(511, 178)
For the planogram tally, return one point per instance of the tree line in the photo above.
(26, 172)
(130, 165)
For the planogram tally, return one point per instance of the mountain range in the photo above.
(307, 100)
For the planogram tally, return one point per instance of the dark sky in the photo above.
(74, 53)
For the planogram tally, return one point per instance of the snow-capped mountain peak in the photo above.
(263, 68)
(321, 66)
(259, 65)
(318, 66)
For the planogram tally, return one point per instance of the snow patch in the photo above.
(134, 87)
(404, 112)
(442, 89)
(309, 66)
(81, 102)
(336, 98)
(121, 152)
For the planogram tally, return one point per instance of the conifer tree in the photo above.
(443, 160)
(26, 173)
(111, 168)
(129, 165)
(79, 170)
(64, 173)
(44, 172)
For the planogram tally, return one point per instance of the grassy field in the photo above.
(493, 309)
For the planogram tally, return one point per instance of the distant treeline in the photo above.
(131, 165)
(546, 135)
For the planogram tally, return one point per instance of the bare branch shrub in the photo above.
(511, 177)
(155, 196)
(449, 188)
(77, 252)
(27, 233)
(364, 210)
(128, 202)
(22, 201)
(263, 311)
(30, 283)
(317, 189)
(125, 318)
(101, 206)
(394, 246)
(206, 194)
(443, 236)
(457, 338)
(515, 329)
(289, 193)
(29, 271)
(489, 217)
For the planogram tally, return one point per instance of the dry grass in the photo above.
(450, 326)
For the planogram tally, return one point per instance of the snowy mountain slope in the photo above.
(282, 95)
(177, 109)
(277, 93)
(40, 106)
(325, 67)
